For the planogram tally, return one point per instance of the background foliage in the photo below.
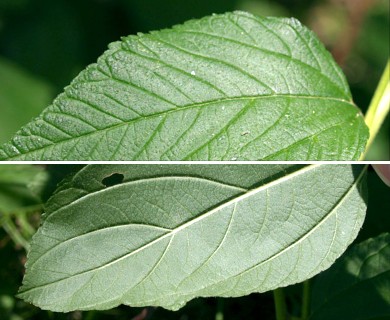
(44, 44)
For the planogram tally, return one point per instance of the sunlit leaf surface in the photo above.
(225, 87)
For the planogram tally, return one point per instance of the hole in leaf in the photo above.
(112, 180)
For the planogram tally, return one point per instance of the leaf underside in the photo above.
(225, 87)
(357, 286)
(163, 235)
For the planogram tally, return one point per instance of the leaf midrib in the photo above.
(190, 222)
(127, 183)
(178, 109)
(303, 237)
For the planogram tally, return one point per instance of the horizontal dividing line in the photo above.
(197, 162)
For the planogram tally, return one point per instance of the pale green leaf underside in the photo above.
(168, 234)
(357, 287)
(226, 87)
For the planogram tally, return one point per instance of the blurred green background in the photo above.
(44, 44)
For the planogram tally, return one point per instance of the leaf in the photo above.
(356, 287)
(161, 235)
(226, 87)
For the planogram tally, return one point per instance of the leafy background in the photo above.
(44, 44)
(23, 186)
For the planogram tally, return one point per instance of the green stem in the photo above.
(219, 314)
(27, 228)
(90, 314)
(14, 233)
(27, 209)
(306, 300)
(379, 107)
(280, 304)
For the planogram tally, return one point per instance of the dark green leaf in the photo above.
(357, 287)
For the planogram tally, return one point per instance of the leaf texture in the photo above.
(356, 287)
(225, 87)
(163, 235)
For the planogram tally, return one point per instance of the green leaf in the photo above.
(162, 235)
(225, 87)
(357, 287)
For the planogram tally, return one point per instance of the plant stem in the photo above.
(379, 107)
(90, 314)
(306, 300)
(27, 228)
(27, 210)
(219, 314)
(280, 304)
(14, 233)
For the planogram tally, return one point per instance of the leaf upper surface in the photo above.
(225, 87)
(167, 234)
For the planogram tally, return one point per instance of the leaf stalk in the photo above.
(379, 107)
(14, 233)
(280, 304)
(219, 314)
(306, 300)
